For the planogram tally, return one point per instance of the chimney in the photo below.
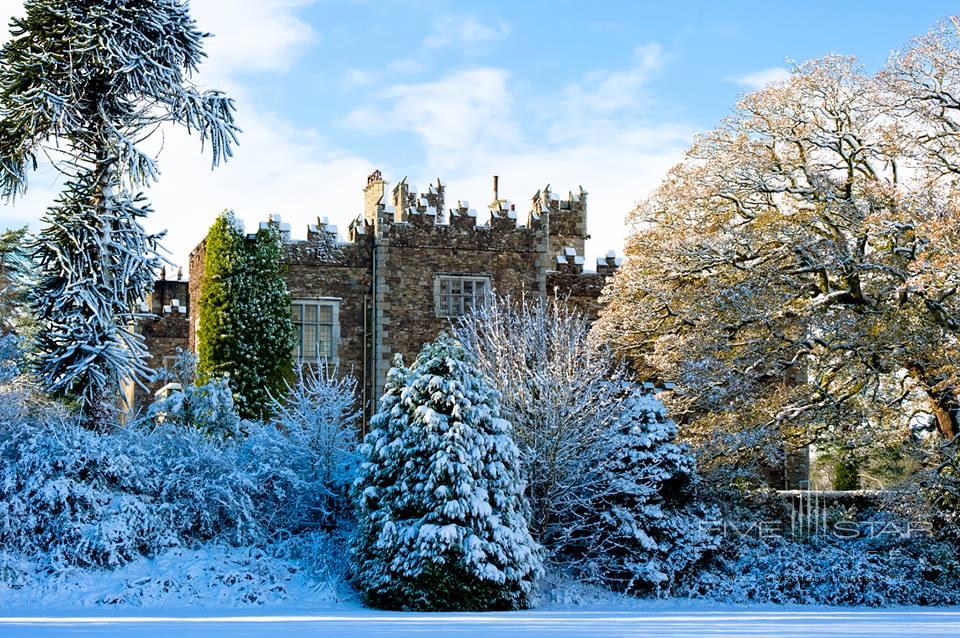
(496, 188)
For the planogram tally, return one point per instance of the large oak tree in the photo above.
(796, 275)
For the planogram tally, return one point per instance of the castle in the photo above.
(410, 264)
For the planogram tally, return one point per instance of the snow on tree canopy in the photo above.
(442, 520)
(83, 83)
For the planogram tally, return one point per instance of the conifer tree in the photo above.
(84, 83)
(443, 523)
(16, 272)
(641, 523)
(245, 328)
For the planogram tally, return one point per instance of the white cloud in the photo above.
(404, 65)
(266, 35)
(602, 98)
(277, 169)
(354, 78)
(451, 115)
(608, 91)
(463, 30)
(468, 124)
(760, 79)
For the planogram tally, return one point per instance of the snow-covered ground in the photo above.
(218, 591)
(682, 620)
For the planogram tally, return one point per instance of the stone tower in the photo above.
(568, 221)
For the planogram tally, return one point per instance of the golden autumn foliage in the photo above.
(796, 275)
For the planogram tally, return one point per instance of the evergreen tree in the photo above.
(88, 81)
(16, 280)
(642, 524)
(443, 523)
(245, 328)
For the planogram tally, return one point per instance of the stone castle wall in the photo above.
(410, 255)
(321, 267)
(384, 275)
(169, 330)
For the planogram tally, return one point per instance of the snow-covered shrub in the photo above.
(10, 357)
(612, 493)
(71, 496)
(442, 520)
(641, 522)
(208, 407)
(319, 413)
(212, 574)
(882, 566)
(555, 388)
(20, 395)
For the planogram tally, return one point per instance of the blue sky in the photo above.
(603, 94)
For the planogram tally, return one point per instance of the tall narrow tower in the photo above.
(373, 195)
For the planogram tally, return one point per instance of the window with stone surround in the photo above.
(316, 323)
(455, 295)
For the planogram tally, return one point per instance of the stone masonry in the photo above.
(165, 333)
(386, 278)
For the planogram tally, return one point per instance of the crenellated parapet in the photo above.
(566, 217)
(463, 217)
(569, 261)
(608, 264)
(568, 280)
(390, 212)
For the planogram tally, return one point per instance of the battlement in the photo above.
(609, 264)
(169, 297)
(401, 215)
(568, 219)
(403, 204)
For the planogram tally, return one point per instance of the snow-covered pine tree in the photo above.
(245, 327)
(16, 270)
(641, 524)
(85, 83)
(442, 520)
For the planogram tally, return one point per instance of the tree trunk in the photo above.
(101, 412)
(943, 400)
